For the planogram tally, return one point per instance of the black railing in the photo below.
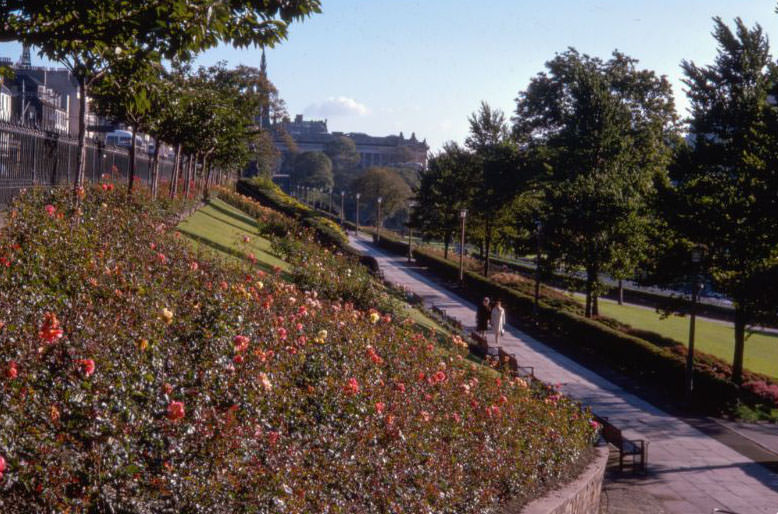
(34, 158)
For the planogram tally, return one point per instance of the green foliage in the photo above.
(726, 180)
(270, 195)
(313, 169)
(600, 129)
(382, 183)
(446, 186)
(168, 383)
(342, 151)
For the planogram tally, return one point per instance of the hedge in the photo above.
(633, 356)
(270, 195)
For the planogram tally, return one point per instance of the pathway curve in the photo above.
(689, 472)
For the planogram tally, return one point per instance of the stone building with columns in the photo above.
(313, 136)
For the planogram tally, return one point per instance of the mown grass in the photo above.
(711, 337)
(221, 228)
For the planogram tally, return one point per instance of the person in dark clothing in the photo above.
(482, 316)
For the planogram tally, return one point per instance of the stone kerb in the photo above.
(581, 496)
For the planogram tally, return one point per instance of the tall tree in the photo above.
(386, 184)
(727, 181)
(601, 128)
(313, 169)
(500, 167)
(446, 186)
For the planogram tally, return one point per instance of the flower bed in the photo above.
(134, 378)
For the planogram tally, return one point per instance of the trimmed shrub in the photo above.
(655, 361)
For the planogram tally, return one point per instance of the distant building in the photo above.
(37, 105)
(5, 103)
(313, 136)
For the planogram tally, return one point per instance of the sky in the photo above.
(423, 66)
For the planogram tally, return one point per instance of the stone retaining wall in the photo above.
(581, 496)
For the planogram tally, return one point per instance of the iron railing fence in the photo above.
(34, 158)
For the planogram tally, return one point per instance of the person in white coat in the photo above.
(498, 321)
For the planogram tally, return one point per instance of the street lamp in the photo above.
(357, 216)
(462, 216)
(538, 227)
(378, 220)
(697, 255)
(342, 213)
(411, 206)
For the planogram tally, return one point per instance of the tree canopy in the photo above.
(727, 178)
(603, 127)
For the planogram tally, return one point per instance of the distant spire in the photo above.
(25, 61)
(264, 110)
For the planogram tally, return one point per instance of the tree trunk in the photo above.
(176, 173)
(740, 342)
(488, 247)
(155, 170)
(131, 175)
(446, 244)
(621, 292)
(81, 156)
(207, 173)
(188, 176)
(590, 280)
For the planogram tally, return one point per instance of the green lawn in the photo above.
(219, 227)
(761, 353)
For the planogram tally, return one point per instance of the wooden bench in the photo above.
(635, 448)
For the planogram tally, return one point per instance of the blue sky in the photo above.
(385, 66)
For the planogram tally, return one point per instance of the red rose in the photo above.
(351, 387)
(11, 372)
(87, 366)
(240, 343)
(175, 411)
(50, 330)
(50, 210)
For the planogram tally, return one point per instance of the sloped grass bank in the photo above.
(230, 232)
(136, 376)
(761, 353)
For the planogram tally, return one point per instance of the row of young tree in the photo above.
(595, 169)
(115, 52)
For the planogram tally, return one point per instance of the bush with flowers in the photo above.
(135, 378)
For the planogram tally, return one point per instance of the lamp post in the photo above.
(342, 213)
(697, 286)
(462, 216)
(357, 215)
(411, 206)
(330, 200)
(378, 220)
(538, 227)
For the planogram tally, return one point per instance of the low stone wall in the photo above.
(581, 496)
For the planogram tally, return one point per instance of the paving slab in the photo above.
(689, 472)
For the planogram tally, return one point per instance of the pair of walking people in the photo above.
(493, 314)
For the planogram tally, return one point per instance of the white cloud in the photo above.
(336, 106)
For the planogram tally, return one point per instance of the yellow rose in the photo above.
(374, 317)
(167, 315)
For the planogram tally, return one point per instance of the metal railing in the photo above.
(34, 158)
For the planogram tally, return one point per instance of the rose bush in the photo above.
(137, 384)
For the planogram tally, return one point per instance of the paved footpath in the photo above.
(689, 472)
